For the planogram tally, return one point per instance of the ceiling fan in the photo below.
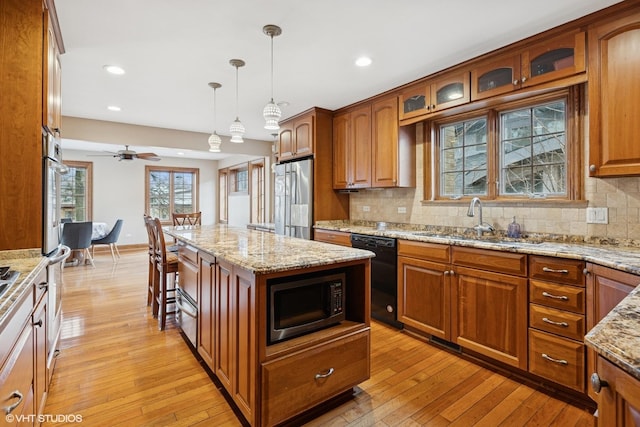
(127, 154)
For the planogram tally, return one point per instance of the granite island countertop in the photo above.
(29, 262)
(261, 252)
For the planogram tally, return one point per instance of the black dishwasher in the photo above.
(384, 289)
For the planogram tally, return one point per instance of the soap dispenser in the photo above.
(513, 230)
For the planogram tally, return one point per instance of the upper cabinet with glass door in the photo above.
(434, 95)
(542, 62)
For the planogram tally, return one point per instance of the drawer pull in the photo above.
(551, 270)
(551, 359)
(562, 297)
(552, 322)
(325, 375)
(597, 383)
(14, 395)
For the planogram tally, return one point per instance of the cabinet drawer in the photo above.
(567, 324)
(188, 253)
(558, 359)
(426, 251)
(557, 270)
(500, 262)
(294, 383)
(331, 236)
(16, 377)
(564, 297)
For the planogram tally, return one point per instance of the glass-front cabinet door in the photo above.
(498, 76)
(434, 95)
(553, 59)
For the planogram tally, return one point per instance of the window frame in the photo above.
(171, 170)
(88, 186)
(574, 99)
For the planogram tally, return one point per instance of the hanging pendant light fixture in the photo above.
(271, 111)
(237, 128)
(214, 139)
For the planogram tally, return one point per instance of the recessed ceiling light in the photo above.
(114, 69)
(180, 153)
(113, 108)
(363, 61)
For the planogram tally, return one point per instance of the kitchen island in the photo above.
(228, 271)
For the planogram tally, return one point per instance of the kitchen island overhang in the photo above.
(273, 383)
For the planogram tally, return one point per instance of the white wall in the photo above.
(118, 190)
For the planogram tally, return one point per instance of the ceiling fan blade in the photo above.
(148, 156)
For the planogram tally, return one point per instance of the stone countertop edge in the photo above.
(617, 335)
(29, 262)
(263, 253)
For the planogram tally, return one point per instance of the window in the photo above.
(239, 179)
(521, 151)
(170, 190)
(533, 150)
(223, 182)
(75, 191)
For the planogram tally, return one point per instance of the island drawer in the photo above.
(560, 270)
(426, 251)
(483, 259)
(565, 323)
(564, 297)
(558, 359)
(332, 236)
(295, 383)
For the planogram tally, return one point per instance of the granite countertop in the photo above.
(261, 252)
(29, 262)
(616, 336)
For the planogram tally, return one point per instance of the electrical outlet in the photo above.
(402, 209)
(597, 216)
(366, 209)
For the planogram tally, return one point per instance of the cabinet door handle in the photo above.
(551, 270)
(551, 359)
(524, 79)
(596, 383)
(38, 323)
(592, 168)
(43, 285)
(553, 322)
(561, 297)
(325, 375)
(14, 395)
(447, 272)
(515, 82)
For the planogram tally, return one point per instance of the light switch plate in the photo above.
(402, 209)
(366, 209)
(597, 216)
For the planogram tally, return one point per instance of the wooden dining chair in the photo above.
(166, 265)
(152, 284)
(191, 218)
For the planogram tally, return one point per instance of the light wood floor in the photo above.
(116, 369)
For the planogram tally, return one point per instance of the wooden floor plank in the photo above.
(116, 369)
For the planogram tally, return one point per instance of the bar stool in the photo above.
(191, 218)
(166, 263)
(152, 285)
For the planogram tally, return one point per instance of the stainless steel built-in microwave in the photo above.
(306, 305)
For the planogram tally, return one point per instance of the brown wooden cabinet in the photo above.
(541, 62)
(619, 398)
(614, 89)
(207, 309)
(393, 147)
(52, 83)
(40, 350)
(331, 236)
(433, 95)
(352, 149)
(606, 287)
(296, 137)
(16, 379)
(424, 287)
(557, 320)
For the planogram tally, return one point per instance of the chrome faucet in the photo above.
(481, 227)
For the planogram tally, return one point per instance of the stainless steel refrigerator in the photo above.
(294, 198)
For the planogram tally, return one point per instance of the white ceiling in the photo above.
(172, 49)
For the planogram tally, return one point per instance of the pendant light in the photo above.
(214, 139)
(237, 128)
(271, 111)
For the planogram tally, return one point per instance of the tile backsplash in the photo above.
(405, 205)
